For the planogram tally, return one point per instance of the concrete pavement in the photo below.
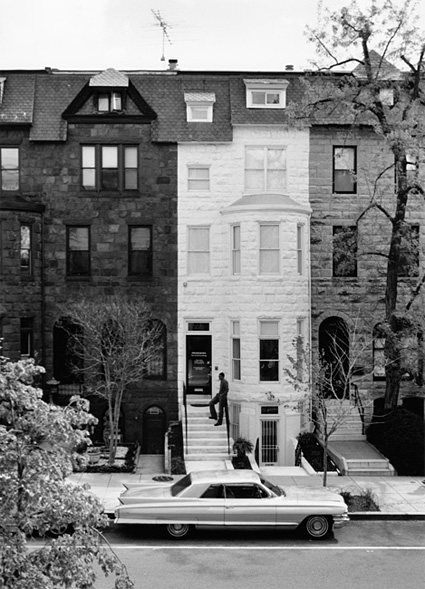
(398, 497)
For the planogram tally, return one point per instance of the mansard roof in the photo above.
(17, 105)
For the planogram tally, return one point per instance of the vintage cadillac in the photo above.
(230, 498)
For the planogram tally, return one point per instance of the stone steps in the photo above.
(204, 441)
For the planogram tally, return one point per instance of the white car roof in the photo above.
(225, 476)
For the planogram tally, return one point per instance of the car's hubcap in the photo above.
(318, 526)
(178, 530)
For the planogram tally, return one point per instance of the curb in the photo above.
(382, 515)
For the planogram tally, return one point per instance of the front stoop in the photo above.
(204, 441)
(351, 426)
(359, 458)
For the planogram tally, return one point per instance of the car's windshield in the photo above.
(276, 490)
(180, 485)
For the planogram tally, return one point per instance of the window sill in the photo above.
(139, 278)
(78, 278)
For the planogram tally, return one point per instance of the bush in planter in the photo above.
(400, 437)
(242, 447)
(313, 451)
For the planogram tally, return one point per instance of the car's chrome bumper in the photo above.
(340, 520)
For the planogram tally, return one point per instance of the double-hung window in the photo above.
(9, 169)
(109, 101)
(344, 170)
(27, 337)
(344, 253)
(265, 169)
(140, 251)
(236, 250)
(236, 350)
(109, 167)
(198, 177)
(198, 261)
(26, 248)
(78, 251)
(269, 350)
(300, 249)
(269, 249)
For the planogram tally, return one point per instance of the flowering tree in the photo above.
(38, 444)
(371, 40)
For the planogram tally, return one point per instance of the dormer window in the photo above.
(199, 106)
(386, 96)
(2, 81)
(109, 102)
(266, 93)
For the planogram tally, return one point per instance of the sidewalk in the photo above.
(398, 497)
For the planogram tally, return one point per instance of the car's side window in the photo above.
(245, 492)
(213, 492)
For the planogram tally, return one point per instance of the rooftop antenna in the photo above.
(164, 26)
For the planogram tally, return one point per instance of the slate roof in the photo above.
(40, 99)
(381, 68)
(109, 77)
(17, 106)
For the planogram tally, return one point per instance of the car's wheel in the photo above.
(178, 530)
(317, 526)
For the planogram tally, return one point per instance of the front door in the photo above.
(198, 364)
(153, 431)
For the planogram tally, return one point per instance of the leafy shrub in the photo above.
(242, 447)
(178, 466)
(400, 437)
(366, 500)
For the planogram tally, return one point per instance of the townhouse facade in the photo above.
(194, 191)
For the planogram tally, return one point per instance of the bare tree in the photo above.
(389, 100)
(331, 381)
(114, 341)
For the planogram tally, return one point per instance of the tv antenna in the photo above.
(164, 26)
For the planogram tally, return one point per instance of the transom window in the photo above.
(140, 251)
(78, 251)
(109, 167)
(269, 350)
(9, 168)
(109, 101)
(266, 93)
(198, 250)
(198, 177)
(344, 170)
(265, 169)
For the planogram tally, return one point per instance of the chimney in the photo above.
(289, 68)
(172, 64)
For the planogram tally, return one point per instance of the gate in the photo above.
(269, 447)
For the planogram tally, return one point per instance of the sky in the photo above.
(228, 35)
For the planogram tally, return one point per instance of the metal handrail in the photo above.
(185, 413)
(226, 413)
(358, 403)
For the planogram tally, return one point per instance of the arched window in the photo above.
(334, 350)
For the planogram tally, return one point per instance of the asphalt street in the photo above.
(363, 555)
